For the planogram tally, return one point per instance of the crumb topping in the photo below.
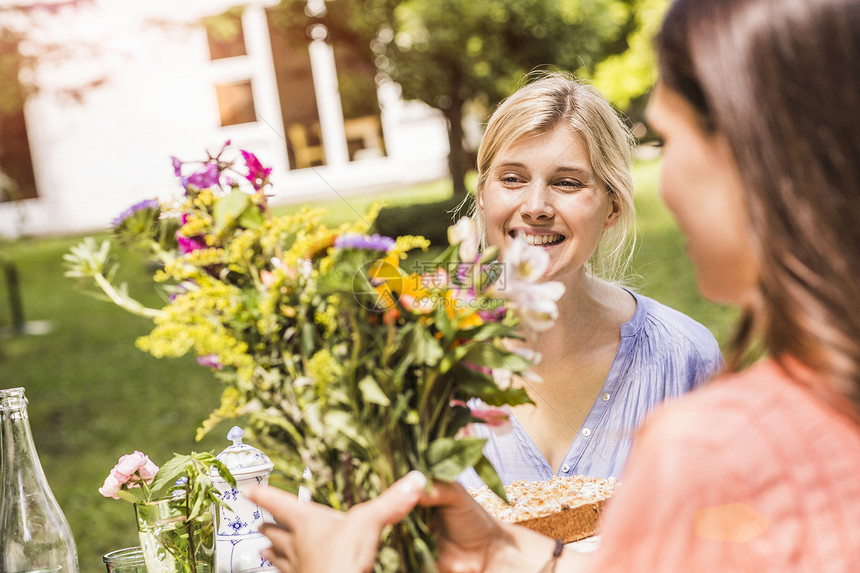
(531, 499)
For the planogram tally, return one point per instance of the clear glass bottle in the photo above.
(34, 533)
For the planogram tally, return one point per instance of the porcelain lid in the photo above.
(240, 458)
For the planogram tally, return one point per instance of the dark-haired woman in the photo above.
(759, 107)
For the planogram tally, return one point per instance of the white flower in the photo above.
(465, 233)
(524, 262)
(503, 378)
(530, 377)
(531, 355)
(536, 304)
(534, 301)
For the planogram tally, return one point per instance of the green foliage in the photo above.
(447, 50)
(190, 476)
(625, 77)
(450, 53)
(430, 220)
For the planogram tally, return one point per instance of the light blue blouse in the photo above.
(663, 354)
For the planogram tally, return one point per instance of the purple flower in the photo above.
(492, 315)
(140, 206)
(209, 361)
(367, 242)
(257, 174)
(177, 166)
(189, 244)
(206, 177)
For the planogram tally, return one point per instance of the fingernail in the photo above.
(413, 482)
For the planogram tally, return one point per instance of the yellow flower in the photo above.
(406, 243)
(324, 368)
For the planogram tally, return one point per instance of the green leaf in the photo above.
(424, 346)
(371, 392)
(448, 457)
(343, 423)
(127, 496)
(459, 416)
(444, 324)
(223, 471)
(229, 209)
(474, 384)
(252, 217)
(171, 471)
(488, 474)
(308, 339)
(490, 356)
(490, 330)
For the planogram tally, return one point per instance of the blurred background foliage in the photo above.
(463, 56)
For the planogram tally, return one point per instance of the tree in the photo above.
(452, 53)
(627, 76)
(20, 55)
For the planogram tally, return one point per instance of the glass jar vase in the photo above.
(171, 542)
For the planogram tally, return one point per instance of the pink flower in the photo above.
(210, 361)
(267, 278)
(128, 464)
(147, 471)
(130, 471)
(257, 174)
(189, 244)
(110, 487)
(497, 419)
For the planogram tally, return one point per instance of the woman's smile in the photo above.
(538, 238)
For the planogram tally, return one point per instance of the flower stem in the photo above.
(189, 526)
(123, 301)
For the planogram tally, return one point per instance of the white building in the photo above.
(169, 85)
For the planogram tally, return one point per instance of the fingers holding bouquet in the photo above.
(311, 537)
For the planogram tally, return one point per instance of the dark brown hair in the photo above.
(780, 79)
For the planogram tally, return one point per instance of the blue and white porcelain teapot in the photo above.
(238, 541)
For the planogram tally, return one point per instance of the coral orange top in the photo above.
(750, 473)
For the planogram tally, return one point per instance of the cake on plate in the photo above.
(566, 508)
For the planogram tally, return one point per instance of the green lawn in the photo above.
(94, 396)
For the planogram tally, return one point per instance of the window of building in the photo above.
(236, 103)
(225, 36)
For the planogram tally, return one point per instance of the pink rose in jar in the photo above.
(130, 471)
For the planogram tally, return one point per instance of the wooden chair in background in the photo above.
(305, 153)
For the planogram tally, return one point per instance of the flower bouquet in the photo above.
(173, 505)
(350, 369)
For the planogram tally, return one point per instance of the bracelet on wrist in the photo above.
(556, 553)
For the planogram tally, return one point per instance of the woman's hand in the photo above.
(313, 538)
(472, 541)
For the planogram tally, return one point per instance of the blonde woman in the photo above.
(554, 171)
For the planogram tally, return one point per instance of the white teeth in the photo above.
(541, 239)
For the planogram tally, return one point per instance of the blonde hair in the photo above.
(546, 101)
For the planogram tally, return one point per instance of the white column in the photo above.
(328, 99)
(265, 84)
